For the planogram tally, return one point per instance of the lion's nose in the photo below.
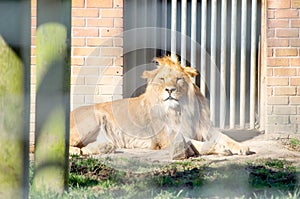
(170, 90)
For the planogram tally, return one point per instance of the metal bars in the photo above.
(253, 64)
(183, 32)
(173, 29)
(219, 38)
(203, 47)
(233, 65)
(223, 64)
(243, 64)
(213, 57)
(193, 33)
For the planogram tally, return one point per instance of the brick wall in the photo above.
(283, 66)
(97, 70)
(96, 51)
(96, 54)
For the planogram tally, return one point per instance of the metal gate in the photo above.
(218, 37)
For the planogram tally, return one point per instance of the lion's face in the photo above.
(170, 83)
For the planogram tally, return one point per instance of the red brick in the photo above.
(269, 71)
(85, 51)
(118, 22)
(119, 61)
(78, 22)
(111, 52)
(295, 100)
(295, 23)
(77, 3)
(85, 32)
(269, 91)
(78, 41)
(288, 32)
(295, 4)
(116, 71)
(295, 42)
(285, 110)
(286, 13)
(118, 3)
(278, 61)
(279, 4)
(285, 72)
(270, 52)
(275, 81)
(77, 61)
(111, 32)
(99, 3)
(112, 13)
(33, 22)
(295, 61)
(270, 33)
(83, 70)
(275, 100)
(278, 23)
(282, 52)
(98, 61)
(278, 42)
(81, 12)
(100, 22)
(295, 81)
(33, 12)
(96, 41)
(271, 14)
(118, 42)
(285, 91)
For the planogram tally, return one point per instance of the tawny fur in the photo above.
(172, 104)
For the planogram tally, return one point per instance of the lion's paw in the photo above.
(84, 151)
(106, 148)
(241, 150)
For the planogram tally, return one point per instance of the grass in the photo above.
(193, 178)
(294, 143)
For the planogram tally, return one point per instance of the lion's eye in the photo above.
(178, 79)
(162, 79)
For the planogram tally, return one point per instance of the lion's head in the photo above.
(170, 83)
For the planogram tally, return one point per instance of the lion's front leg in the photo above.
(221, 145)
(96, 148)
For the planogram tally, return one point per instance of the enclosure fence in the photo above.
(219, 38)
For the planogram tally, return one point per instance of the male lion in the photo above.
(172, 110)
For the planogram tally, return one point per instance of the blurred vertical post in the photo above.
(53, 95)
(14, 98)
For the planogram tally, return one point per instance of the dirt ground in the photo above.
(263, 146)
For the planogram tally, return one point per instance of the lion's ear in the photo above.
(149, 75)
(191, 71)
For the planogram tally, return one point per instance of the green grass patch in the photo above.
(192, 178)
(294, 143)
(273, 173)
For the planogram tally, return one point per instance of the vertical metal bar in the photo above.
(243, 64)
(14, 98)
(233, 64)
(223, 64)
(173, 29)
(203, 46)
(213, 62)
(183, 32)
(253, 64)
(164, 25)
(130, 42)
(193, 33)
(53, 44)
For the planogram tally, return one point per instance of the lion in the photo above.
(171, 111)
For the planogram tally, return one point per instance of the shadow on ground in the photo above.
(193, 178)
